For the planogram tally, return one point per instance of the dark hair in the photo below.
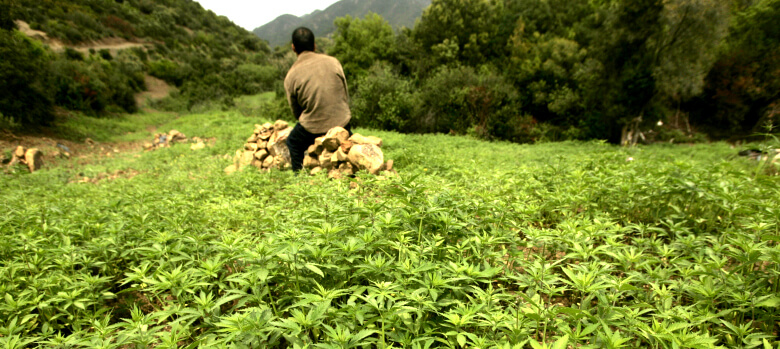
(303, 39)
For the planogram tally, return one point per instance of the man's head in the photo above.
(302, 40)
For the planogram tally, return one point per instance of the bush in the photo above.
(25, 97)
(383, 100)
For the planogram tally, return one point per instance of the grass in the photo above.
(480, 245)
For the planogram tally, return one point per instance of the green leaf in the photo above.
(314, 268)
(769, 302)
(461, 339)
(561, 343)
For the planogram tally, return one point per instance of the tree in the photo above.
(359, 44)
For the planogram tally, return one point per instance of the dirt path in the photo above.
(114, 45)
(155, 89)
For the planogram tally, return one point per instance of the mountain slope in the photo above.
(398, 12)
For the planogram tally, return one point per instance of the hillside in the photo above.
(398, 13)
(94, 56)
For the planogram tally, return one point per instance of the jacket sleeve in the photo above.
(292, 98)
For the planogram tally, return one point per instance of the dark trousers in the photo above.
(299, 140)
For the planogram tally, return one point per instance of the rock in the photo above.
(335, 174)
(176, 136)
(198, 146)
(148, 146)
(315, 150)
(262, 144)
(20, 151)
(268, 126)
(237, 157)
(334, 137)
(261, 154)
(388, 166)
(34, 159)
(367, 157)
(310, 162)
(280, 125)
(279, 136)
(341, 155)
(325, 159)
(282, 163)
(318, 141)
(89, 141)
(250, 147)
(346, 146)
(315, 171)
(257, 163)
(246, 159)
(268, 162)
(252, 139)
(347, 169)
(280, 150)
(230, 169)
(357, 138)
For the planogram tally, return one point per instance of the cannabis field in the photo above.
(475, 245)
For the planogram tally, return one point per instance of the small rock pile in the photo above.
(337, 153)
(162, 140)
(341, 155)
(32, 157)
(265, 149)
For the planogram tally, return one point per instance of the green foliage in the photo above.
(25, 97)
(359, 44)
(384, 100)
(486, 244)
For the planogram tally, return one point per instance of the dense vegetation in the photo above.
(480, 245)
(206, 57)
(526, 70)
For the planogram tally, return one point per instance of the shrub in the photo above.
(383, 100)
(24, 94)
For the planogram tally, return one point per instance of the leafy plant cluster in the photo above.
(535, 70)
(484, 245)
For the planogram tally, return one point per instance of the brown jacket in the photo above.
(317, 92)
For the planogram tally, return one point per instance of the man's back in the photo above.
(317, 92)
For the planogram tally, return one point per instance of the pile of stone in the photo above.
(337, 153)
(162, 140)
(32, 158)
(265, 149)
(340, 155)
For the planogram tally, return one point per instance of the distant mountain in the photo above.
(398, 13)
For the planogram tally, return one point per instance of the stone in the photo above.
(268, 162)
(335, 174)
(282, 163)
(280, 125)
(257, 163)
(334, 137)
(325, 159)
(198, 146)
(34, 159)
(341, 155)
(230, 169)
(148, 146)
(357, 138)
(252, 139)
(279, 136)
(315, 150)
(237, 157)
(261, 154)
(250, 147)
(280, 150)
(268, 126)
(346, 146)
(262, 144)
(347, 169)
(367, 157)
(246, 159)
(315, 171)
(20, 151)
(310, 162)
(176, 136)
(89, 141)
(318, 141)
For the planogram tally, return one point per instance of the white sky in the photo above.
(252, 14)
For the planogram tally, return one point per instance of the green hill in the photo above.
(70, 62)
(398, 13)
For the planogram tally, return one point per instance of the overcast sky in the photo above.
(252, 14)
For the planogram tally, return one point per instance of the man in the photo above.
(317, 93)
